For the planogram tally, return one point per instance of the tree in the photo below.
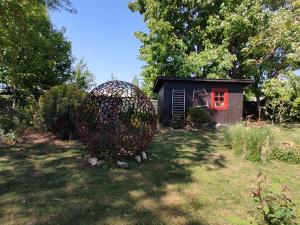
(275, 50)
(34, 55)
(277, 100)
(282, 97)
(59, 4)
(82, 77)
(135, 80)
(294, 83)
(114, 76)
(254, 39)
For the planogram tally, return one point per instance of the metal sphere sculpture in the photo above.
(116, 120)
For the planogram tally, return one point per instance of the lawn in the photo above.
(191, 178)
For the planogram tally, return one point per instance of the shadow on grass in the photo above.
(50, 184)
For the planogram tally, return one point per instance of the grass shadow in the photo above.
(46, 183)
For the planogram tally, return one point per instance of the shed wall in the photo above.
(235, 100)
(161, 106)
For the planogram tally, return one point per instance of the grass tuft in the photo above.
(252, 143)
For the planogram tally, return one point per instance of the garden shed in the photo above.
(222, 98)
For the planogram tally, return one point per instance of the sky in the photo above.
(102, 32)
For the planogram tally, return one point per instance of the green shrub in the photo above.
(289, 155)
(8, 137)
(8, 122)
(58, 109)
(31, 115)
(177, 124)
(252, 143)
(198, 116)
(19, 117)
(13, 120)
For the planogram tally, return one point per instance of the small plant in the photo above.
(252, 143)
(275, 208)
(197, 116)
(289, 155)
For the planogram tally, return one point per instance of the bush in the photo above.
(13, 120)
(8, 137)
(198, 116)
(58, 109)
(177, 124)
(252, 143)
(19, 118)
(8, 122)
(30, 113)
(289, 155)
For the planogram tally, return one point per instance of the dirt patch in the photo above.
(37, 138)
(287, 144)
(47, 138)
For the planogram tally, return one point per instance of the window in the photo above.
(219, 99)
(200, 98)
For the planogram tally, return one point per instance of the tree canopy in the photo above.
(135, 80)
(59, 5)
(34, 55)
(82, 77)
(255, 39)
(282, 98)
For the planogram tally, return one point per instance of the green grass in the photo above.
(191, 179)
(289, 132)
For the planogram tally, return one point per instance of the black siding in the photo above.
(161, 105)
(234, 113)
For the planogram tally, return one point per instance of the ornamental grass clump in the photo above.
(252, 143)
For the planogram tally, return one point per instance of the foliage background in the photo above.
(255, 39)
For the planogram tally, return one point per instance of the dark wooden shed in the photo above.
(222, 98)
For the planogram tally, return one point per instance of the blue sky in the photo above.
(102, 32)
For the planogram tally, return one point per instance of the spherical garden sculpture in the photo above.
(116, 120)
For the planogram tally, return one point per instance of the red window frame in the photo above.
(219, 96)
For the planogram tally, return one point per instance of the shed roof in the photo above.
(160, 80)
